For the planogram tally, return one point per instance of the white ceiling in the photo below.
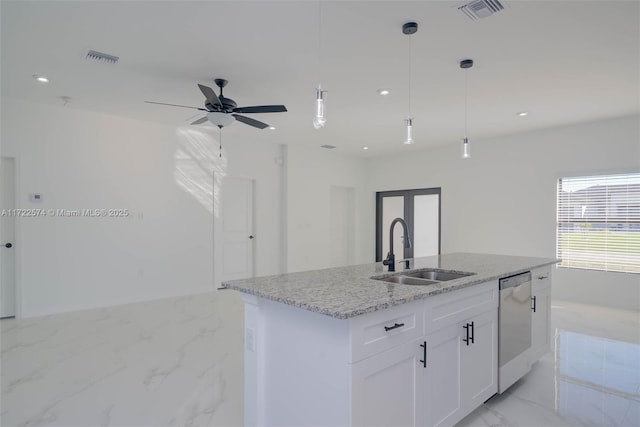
(562, 61)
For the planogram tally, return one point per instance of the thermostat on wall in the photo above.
(35, 198)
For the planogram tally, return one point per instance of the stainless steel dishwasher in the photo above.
(514, 323)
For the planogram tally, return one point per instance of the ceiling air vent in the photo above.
(93, 55)
(478, 9)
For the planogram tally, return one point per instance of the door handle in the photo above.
(473, 333)
(533, 300)
(424, 354)
(8, 245)
(466, 340)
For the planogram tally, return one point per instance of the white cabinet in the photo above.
(442, 405)
(479, 361)
(461, 368)
(387, 389)
(540, 313)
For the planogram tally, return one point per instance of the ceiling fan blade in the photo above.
(249, 121)
(200, 120)
(175, 105)
(261, 109)
(209, 94)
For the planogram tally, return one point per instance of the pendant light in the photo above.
(320, 117)
(409, 29)
(466, 147)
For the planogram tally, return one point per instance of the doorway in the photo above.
(234, 246)
(420, 208)
(7, 239)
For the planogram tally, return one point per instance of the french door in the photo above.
(420, 208)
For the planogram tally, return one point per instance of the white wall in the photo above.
(311, 173)
(503, 199)
(162, 174)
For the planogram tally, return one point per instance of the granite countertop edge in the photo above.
(253, 287)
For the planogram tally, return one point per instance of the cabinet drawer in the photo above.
(375, 332)
(452, 307)
(540, 278)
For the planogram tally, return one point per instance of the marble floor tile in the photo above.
(178, 362)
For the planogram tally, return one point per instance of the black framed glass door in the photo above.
(420, 208)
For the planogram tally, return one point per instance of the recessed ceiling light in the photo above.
(41, 79)
(522, 114)
(384, 92)
(272, 128)
(365, 148)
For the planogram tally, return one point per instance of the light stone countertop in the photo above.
(345, 292)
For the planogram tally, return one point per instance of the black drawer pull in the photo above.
(533, 300)
(542, 277)
(424, 354)
(397, 325)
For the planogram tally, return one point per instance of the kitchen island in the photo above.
(344, 346)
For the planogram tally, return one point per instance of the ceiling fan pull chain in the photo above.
(220, 128)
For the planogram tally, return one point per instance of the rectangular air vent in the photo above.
(93, 55)
(477, 9)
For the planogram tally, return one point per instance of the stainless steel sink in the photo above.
(440, 276)
(407, 280)
(422, 277)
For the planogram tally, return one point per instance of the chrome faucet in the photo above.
(408, 251)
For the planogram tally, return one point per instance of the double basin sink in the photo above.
(422, 277)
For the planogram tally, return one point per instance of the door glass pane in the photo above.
(392, 207)
(425, 223)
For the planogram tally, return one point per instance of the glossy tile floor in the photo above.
(178, 362)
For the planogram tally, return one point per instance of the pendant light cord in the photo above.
(319, 40)
(410, 75)
(220, 138)
(466, 99)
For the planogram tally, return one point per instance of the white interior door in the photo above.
(7, 239)
(236, 226)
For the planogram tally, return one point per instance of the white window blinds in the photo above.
(599, 222)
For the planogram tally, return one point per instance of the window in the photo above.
(599, 222)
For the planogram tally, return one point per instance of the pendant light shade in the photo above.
(466, 146)
(319, 120)
(409, 140)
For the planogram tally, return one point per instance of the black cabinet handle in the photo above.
(533, 305)
(424, 354)
(397, 325)
(469, 327)
(466, 340)
(542, 277)
(8, 245)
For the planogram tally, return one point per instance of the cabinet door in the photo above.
(479, 360)
(442, 399)
(386, 388)
(541, 328)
